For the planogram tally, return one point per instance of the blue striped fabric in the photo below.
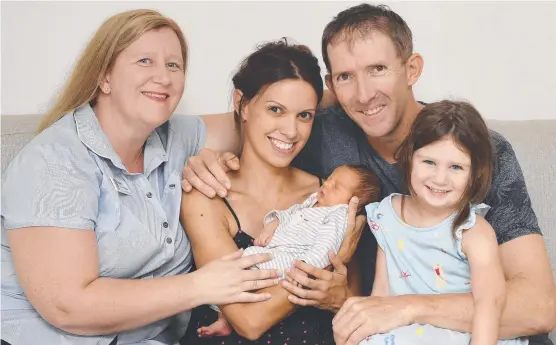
(304, 233)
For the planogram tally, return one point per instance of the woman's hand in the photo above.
(206, 172)
(227, 280)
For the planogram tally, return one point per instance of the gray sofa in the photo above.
(533, 141)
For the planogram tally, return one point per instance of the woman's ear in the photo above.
(239, 104)
(104, 84)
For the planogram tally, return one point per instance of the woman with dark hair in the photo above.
(277, 89)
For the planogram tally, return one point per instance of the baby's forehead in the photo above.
(346, 176)
(343, 171)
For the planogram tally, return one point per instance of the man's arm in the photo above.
(222, 135)
(354, 280)
(530, 306)
(531, 294)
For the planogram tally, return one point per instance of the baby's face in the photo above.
(339, 187)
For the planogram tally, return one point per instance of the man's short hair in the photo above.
(360, 21)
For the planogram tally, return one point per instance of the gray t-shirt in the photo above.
(69, 176)
(337, 140)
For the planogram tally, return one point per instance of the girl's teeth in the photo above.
(281, 145)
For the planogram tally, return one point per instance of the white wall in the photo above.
(499, 55)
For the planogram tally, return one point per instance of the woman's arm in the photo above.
(58, 271)
(381, 287)
(208, 231)
(487, 281)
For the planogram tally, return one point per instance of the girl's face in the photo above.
(278, 122)
(440, 173)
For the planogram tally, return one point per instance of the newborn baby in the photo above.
(310, 230)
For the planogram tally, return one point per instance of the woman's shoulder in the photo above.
(306, 180)
(188, 131)
(57, 145)
(195, 203)
(53, 170)
(62, 132)
(202, 216)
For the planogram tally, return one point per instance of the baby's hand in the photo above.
(266, 235)
(264, 239)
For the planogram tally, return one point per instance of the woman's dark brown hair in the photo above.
(270, 63)
(463, 123)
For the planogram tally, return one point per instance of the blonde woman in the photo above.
(92, 248)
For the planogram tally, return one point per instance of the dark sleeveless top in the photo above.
(307, 325)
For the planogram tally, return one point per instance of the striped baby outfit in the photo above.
(304, 233)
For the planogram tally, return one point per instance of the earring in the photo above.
(107, 90)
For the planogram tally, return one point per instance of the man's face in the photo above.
(370, 81)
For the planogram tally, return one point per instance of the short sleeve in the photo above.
(270, 216)
(481, 210)
(373, 222)
(190, 131)
(51, 184)
(511, 213)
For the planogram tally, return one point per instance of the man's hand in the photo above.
(207, 172)
(360, 317)
(320, 288)
(352, 236)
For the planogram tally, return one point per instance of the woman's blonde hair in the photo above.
(113, 36)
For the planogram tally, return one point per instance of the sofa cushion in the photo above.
(17, 131)
(534, 143)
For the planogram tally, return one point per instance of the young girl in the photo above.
(435, 239)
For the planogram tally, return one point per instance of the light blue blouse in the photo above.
(70, 176)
